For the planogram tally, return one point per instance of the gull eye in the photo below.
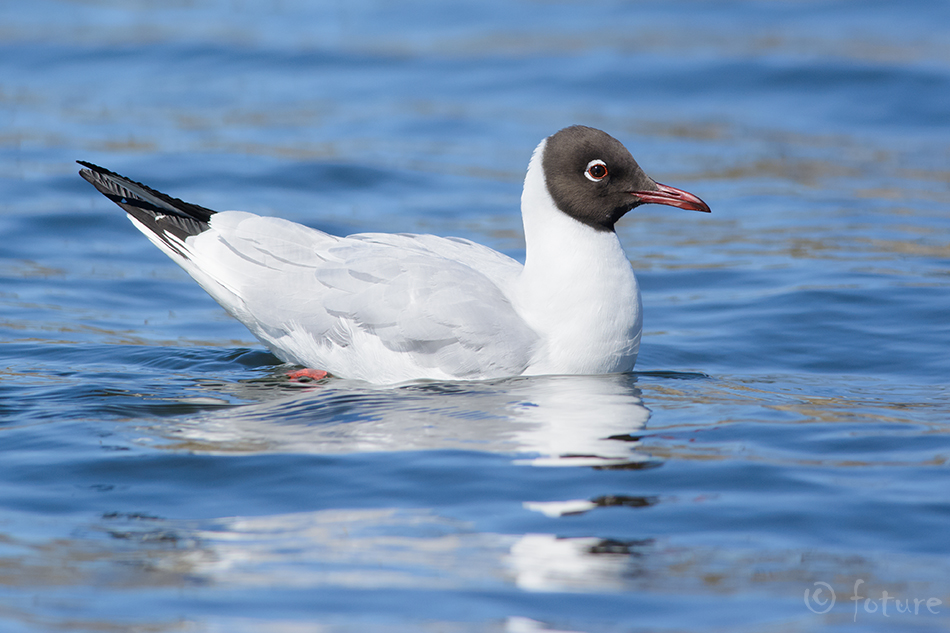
(596, 170)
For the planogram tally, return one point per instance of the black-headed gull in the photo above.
(392, 308)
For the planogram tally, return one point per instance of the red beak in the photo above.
(673, 197)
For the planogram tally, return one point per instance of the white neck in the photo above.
(577, 290)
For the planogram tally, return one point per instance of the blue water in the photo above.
(786, 434)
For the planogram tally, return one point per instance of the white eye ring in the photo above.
(591, 172)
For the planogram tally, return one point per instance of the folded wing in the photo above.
(379, 307)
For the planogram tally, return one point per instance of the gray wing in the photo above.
(373, 306)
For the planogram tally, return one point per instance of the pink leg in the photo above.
(307, 375)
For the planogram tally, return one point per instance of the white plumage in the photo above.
(392, 308)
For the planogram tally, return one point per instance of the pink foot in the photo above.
(307, 375)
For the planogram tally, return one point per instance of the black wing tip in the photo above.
(89, 173)
(105, 181)
(93, 168)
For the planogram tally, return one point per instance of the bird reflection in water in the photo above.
(544, 420)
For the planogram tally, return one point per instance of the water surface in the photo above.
(785, 435)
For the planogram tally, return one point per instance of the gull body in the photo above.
(389, 308)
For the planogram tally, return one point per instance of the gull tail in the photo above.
(169, 219)
(176, 228)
